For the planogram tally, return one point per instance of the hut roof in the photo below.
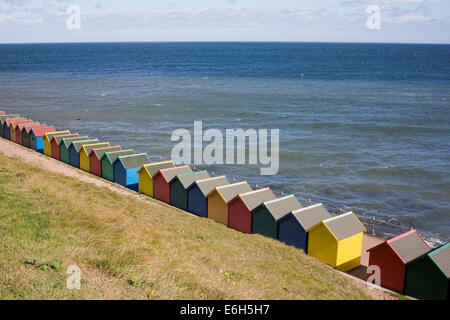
(153, 168)
(50, 135)
(281, 207)
(59, 139)
(134, 160)
(441, 256)
(79, 143)
(9, 121)
(28, 128)
(68, 141)
(89, 147)
(9, 116)
(113, 155)
(14, 123)
(170, 173)
(311, 216)
(207, 185)
(23, 125)
(99, 152)
(40, 131)
(230, 191)
(187, 179)
(344, 225)
(253, 199)
(409, 246)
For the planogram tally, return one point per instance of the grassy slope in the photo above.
(138, 249)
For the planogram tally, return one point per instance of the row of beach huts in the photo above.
(407, 264)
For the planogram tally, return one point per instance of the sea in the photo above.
(363, 127)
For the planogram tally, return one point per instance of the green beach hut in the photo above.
(65, 144)
(179, 185)
(108, 160)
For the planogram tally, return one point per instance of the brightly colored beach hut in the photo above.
(108, 160)
(219, 197)
(65, 145)
(48, 138)
(20, 127)
(2, 113)
(337, 241)
(267, 215)
(292, 227)
(126, 168)
(180, 183)
(240, 216)
(197, 200)
(146, 174)
(96, 156)
(26, 134)
(427, 277)
(85, 160)
(6, 128)
(392, 256)
(161, 181)
(74, 151)
(37, 138)
(3, 121)
(56, 144)
(12, 128)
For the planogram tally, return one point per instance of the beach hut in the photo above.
(126, 168)
(48, 138)
(292, 227)
(20, 127)
(392, 256)
(108, 160)
(7, 129)
(337, 241)
(74, 151)
(65, 145)
(267, 215)
(37, 138)
(146, 174)
(56, 144)
(85, 160)
(2, 113)
(178, 187)
(161, 181)
(96, 156)
(197, 200)
(12, 128)
(240, 216)
(219, 197)
(3, 121)
(26, 134)
(427, 277)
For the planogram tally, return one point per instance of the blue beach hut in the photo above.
(74, 151)
(292, 227)
(197, 200)
(126, 170)
(37, 137)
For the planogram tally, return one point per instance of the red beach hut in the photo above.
(96, 156)
(56, 144)
(20, 127)
(392, 256)
(161, 181)
(240, 215)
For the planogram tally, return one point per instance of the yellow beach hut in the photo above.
(337, 241)
(146, 174)
(86, 149)
(48, 138)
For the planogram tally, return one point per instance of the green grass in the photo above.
(129, 248)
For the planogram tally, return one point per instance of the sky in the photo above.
(399, 21)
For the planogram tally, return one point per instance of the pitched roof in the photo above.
(153, 168)
(23, 125)
(28, 128)
(79, 144)
(230, 191)
(283, 206)
(113, 155)
(89, 147)
(344, 225)
(50, 135)
(9, 116)
(187, 179)
(253, 199)
(409, 246)
(68, 141)
(8, 121)
(59, 138)
(134, 160)
(99, 152)
(311, 216)
(207, 185)
(441, 256)
(169, 173)
(40, 131)
(14, 124)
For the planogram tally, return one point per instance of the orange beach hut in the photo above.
(12, 128)
(6, 126)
